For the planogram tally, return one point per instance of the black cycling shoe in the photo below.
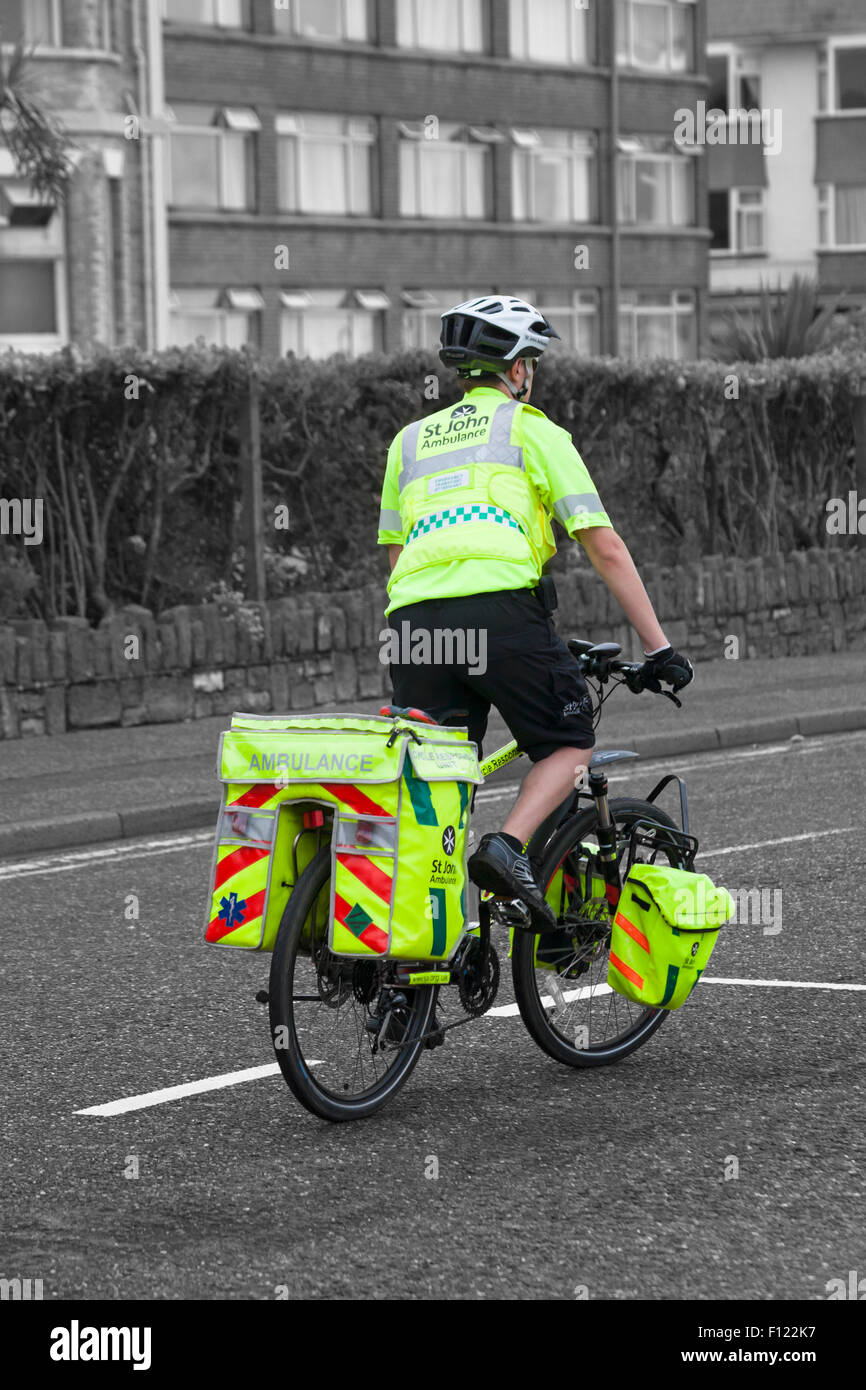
(508, 873)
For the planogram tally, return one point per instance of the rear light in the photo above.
(313, 819)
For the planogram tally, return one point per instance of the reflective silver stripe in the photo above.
(567, 507)
(499, 449)
(390, 521)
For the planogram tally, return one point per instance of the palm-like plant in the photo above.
(789, 323)
(34, 137)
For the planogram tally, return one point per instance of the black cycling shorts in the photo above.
(496, 649)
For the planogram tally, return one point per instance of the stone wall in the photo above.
(323, 649)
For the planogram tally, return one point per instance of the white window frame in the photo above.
(579, 35)
(289, 126)
(741, 207)
(832, 47)
(293, 28)
(827, 210)
(682, 304)
(215, 22)
(232, 120)
(417, 5)
(626, 41)
(302, 303)
(30, 34)
(738, 207)
(35, 244)
(826, 217)
(580, 305)
(459, 137)
(225, 306)
(583, 151)
(634, 151)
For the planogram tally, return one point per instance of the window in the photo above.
(448, 26)
(549, 31)
(718, 97)
(422, 319)
(32, 21)
(850, 79)
(749, 220)
(27, 298)
(656, 188)
(220, 14)
(321, 322)
(446, 176)
(322, 19)
(227, 318)
(31, 264)
(737, 220)
(213, 157)
(850, 229)
(553, 176)
(575, 317)
(658, 325)
(720, 220)
(825, 237)
(324, 164)
(656, 35)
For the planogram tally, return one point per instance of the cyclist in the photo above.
(466, 506)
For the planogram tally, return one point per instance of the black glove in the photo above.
(667, 666)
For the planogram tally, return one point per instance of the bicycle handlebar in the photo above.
(600, 663)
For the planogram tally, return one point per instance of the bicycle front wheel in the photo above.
(344, 1036)
(569, 1008)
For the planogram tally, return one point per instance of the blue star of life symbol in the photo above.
(231, 911)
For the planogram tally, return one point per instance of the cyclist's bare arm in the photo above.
(394, 553)
(613, 563)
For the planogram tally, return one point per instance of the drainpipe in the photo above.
(141, 72)
(615, 244)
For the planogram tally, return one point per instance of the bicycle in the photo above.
(347, 1034)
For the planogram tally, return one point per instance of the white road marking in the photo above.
(188, 1088)
(766, 844)
(236, 1078)
(778, 984)
(67, 860)
(77, 859)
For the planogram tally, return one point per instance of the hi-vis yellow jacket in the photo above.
(469, 493)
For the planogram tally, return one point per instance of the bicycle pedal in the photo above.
(511, 912)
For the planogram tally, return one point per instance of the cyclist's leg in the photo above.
(545, 787)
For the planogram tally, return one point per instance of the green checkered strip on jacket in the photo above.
(452, 516)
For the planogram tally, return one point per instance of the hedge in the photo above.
(136, 459)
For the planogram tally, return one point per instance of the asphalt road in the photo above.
(550, 1181)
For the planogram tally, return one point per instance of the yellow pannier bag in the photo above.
(390, 797)
(666, 925)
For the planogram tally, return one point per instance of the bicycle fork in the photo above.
(606, 832)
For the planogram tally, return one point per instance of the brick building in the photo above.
(331, 174)
(802, 209)
(85, 272)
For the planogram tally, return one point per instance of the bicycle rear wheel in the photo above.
(570, 1010)
(343, 1036)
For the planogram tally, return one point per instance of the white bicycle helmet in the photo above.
(491, 333)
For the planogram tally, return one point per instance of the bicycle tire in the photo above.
(537, 1018)
(296, 1069)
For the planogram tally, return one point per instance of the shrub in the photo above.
(137, 460)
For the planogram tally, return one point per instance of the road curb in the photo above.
(93, 827)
